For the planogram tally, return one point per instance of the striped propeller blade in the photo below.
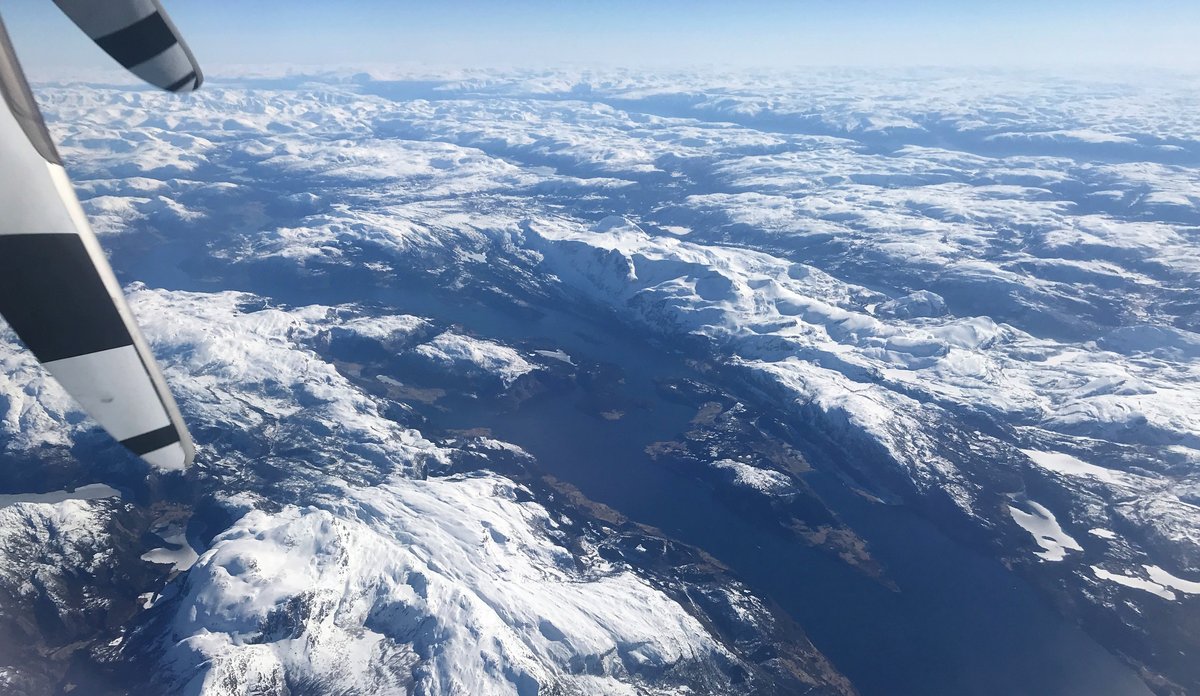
(60, 296)
(140, 36)
(54, 295)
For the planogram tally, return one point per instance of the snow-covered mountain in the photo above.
(363, 558)
(464, 355)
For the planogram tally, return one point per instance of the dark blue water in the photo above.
(961, 624)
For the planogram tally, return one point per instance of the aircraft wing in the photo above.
(140, 36)
(59, 294)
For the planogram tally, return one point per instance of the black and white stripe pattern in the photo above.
(140, 36)
(56, 299)
(59, 295)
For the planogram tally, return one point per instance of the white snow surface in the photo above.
(464, 353)
(765, 481)
(452, 576)
(34, 411)
(385, 329)
(39, 540)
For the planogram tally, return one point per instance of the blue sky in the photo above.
(477, 33)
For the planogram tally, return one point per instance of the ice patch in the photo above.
(180, 559)
(1062, 463)
(92, 491)
(559, 355)
(1134, 582)
(1044, 528)
(1166, 579)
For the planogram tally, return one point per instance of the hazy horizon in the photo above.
(538, 33)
